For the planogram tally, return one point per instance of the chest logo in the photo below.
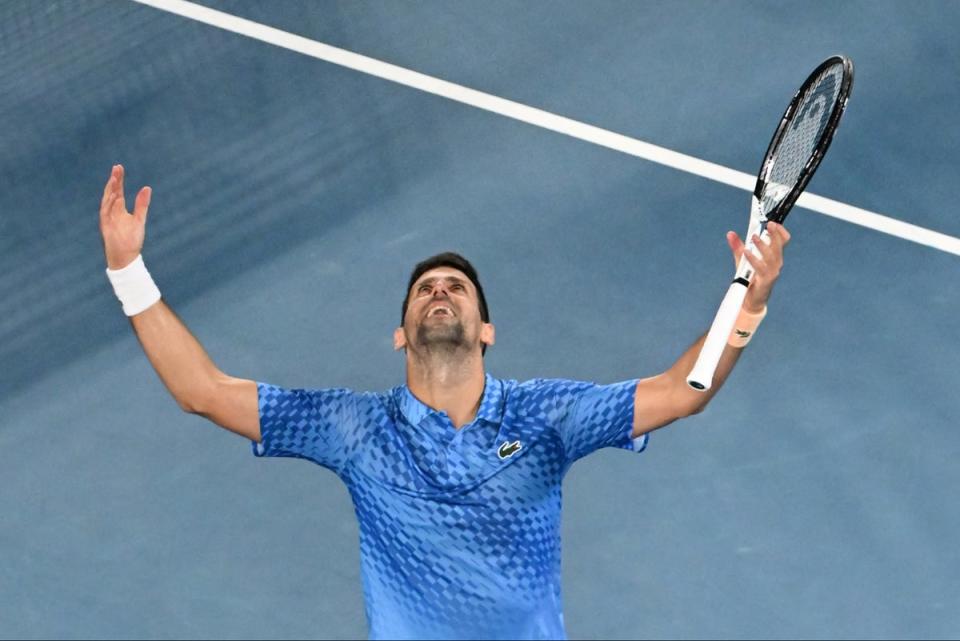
(509, 449)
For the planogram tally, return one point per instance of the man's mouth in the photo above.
(440, 310)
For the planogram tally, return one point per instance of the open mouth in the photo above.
(440, 310)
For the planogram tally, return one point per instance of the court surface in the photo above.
(817, 495)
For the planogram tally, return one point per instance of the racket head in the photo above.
(802, 138)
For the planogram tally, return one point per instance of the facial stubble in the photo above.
(442, 337)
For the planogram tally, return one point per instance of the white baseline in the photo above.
(544, 119)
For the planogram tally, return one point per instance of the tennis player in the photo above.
(455, 475)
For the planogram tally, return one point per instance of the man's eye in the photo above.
(423, 289)
(457, 287)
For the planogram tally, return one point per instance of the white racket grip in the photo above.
(701, 376)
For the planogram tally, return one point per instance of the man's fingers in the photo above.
(756, 263)
(106, 210)
(107, 197)
(109, 186)
(141, 204)
(109, 191)
(780, 233)
(764, 247)
(114, 202)
(118, 186)
(736, 246)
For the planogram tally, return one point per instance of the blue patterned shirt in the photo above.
(459, 528)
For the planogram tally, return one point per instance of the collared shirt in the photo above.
(459, 528)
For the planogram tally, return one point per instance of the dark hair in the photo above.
(456, 261)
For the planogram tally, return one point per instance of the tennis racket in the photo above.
(795, 152)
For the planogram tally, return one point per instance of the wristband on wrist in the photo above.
(745, 327)
(134, 287)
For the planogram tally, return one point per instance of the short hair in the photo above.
(456, 261)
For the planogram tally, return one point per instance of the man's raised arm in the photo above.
(179, 359)
(662, 399)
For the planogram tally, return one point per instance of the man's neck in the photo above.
(447, 385)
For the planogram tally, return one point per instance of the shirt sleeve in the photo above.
(588, 417)
(308, 424)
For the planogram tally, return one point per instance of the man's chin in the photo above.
(446, 337)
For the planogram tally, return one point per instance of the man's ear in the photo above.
(399, 339)
(488, 334)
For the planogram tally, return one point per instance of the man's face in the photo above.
(443, 313)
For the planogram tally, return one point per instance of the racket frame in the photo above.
(779, 213)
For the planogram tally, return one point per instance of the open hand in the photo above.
(122, 232)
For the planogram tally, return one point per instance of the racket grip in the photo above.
(701, 376)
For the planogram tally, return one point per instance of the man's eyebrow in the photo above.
(432, 280)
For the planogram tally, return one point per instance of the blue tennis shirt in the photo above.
(459, 529)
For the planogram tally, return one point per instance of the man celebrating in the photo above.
(456, 475)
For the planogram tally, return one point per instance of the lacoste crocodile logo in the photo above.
(509, 449)
(742, 334)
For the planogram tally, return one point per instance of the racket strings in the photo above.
(801, 137)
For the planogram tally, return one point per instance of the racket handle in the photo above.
(701, 376)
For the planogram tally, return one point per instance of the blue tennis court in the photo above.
(815, 498)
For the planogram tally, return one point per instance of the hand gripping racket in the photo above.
(795, 152)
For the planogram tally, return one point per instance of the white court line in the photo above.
(544, 119)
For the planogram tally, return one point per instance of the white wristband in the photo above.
(134, 287)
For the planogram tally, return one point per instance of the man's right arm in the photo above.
(196, 383)
(179, 359)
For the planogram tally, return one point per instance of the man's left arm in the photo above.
(662, 399)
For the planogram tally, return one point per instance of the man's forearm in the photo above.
(662, 399)
(694, 399)
(179, 359)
